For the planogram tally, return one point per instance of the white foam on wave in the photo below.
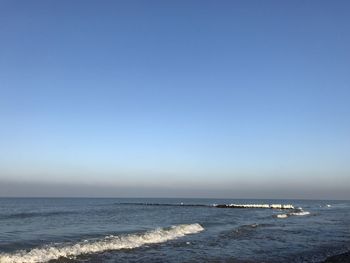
(130, 241)
(270, 206)
(298, 213)
(282, 216)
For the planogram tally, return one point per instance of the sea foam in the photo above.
(270, 206)
(297, 213)
(47, 253)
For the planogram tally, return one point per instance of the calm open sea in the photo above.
(170, 230)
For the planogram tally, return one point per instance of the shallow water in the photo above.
(170, 230)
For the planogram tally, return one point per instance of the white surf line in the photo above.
(270, 206)
(130, 241)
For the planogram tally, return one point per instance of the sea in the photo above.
(171, 230)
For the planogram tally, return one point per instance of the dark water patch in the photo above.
(64, 260)
(243, 231)
(330, 253)
(340, 258)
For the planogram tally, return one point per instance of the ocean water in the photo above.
(170, 230)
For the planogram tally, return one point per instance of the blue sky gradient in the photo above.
(203, 98)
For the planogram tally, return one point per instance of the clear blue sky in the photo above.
(175, 98)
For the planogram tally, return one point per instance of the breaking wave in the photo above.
(299, 212)
(47, 253)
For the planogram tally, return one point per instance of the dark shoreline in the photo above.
(341, 258)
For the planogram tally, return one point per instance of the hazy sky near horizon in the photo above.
(175, 98)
